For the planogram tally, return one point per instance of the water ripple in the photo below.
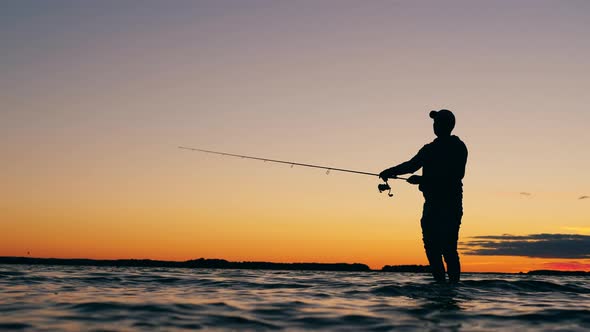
(69, 298)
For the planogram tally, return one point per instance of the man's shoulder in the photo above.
(453, 142)
(427, 147)
(459, 142)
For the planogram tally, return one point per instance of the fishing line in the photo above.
(382, 187)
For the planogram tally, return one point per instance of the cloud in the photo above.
(578, 230)
(583, 197)
(524, 193)
(571, 266)
(532, 245)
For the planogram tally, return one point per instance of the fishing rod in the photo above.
(382, 187)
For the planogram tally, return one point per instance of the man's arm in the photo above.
(409, 166)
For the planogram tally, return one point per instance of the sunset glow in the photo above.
(98, 96)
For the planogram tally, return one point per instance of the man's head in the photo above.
(444, 122)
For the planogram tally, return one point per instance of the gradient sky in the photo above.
(96, 96)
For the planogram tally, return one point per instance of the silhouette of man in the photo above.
(443, 167)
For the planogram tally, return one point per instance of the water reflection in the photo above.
(72, 299)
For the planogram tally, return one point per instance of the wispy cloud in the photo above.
(567, 266)
(583, 197)
(578, 230)
(524, 193)
(532, 245)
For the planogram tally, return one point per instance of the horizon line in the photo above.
(419, 268)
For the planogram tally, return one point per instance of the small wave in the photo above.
(240, 322)
(524, 286)
(241, 284)
(343, 322)
(164, 308)
(542, 316)
(283, 285)
(414, 290)
(14, 326)
(11, 273)
(99, 280)
(557, 315)
(274, 312)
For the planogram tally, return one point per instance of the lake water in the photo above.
(72, 298)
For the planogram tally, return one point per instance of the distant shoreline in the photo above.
(224, 264)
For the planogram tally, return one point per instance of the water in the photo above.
(71, 298)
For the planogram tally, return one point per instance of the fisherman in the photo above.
(443, 167)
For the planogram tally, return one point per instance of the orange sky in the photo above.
(96, 100)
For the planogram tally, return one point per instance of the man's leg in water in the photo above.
(432, 243)
(434, 255)
(449, 251)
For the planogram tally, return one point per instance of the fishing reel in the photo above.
(385, 187)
